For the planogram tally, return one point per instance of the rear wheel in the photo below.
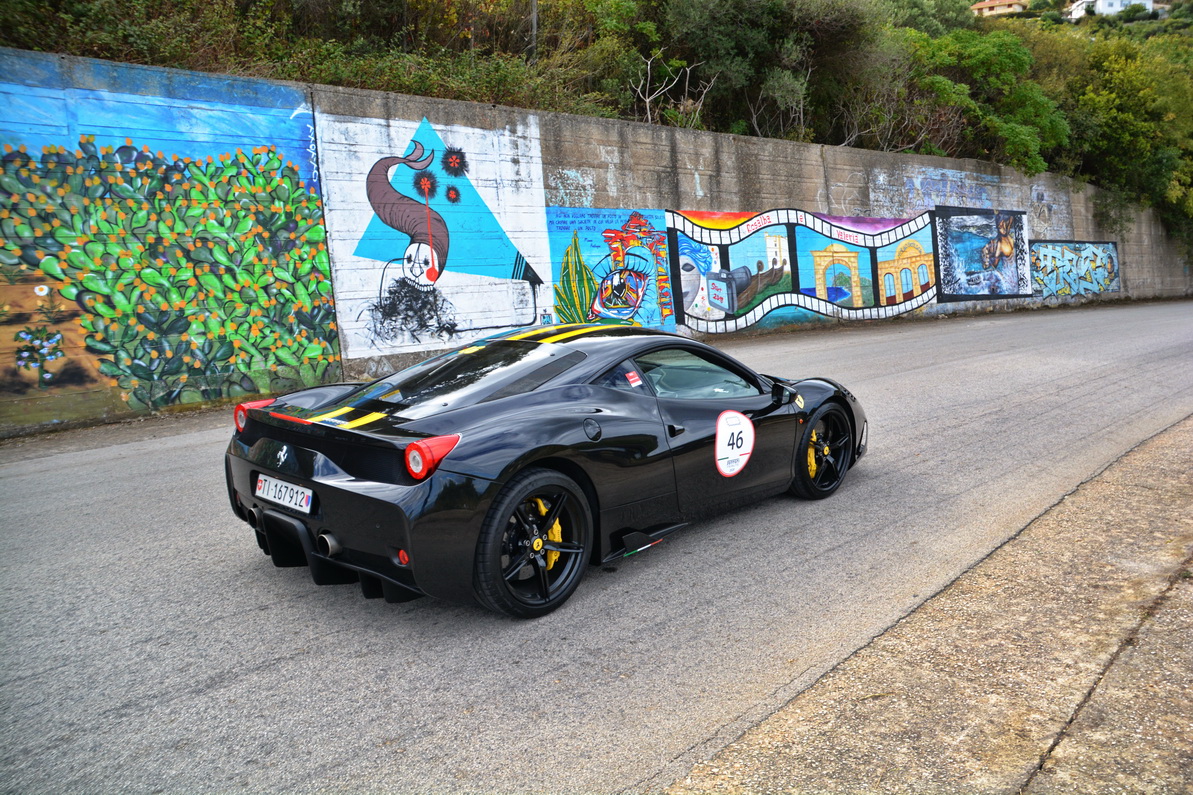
(534, 545)
(823, 454)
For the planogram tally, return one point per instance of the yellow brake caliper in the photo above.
(554, 533)
(812, 456)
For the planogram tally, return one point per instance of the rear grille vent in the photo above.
(382, 464)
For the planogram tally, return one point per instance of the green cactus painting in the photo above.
(576, 287)
(195, 279)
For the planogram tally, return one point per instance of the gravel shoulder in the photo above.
(1060, 663)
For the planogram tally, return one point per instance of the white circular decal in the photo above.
(735, 442)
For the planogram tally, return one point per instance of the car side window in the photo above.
(679, 373)
(623, 376)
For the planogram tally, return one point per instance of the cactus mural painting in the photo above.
(177, 278)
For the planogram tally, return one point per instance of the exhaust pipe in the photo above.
(328, 545)
(254, 519)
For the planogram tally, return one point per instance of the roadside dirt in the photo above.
(1060, 663)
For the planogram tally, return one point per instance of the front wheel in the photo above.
(534, 545)
(823, 454)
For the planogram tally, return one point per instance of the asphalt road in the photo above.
(148, 646)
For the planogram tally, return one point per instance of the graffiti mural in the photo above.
(171, 237)
(174, 264)
(433, 232)
(1067, 268)
(981, 254)
(737, 270)
(611, 266)
(839, 273)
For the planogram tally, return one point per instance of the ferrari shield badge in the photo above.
(735, 442)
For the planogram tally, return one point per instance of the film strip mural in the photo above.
(736, 270)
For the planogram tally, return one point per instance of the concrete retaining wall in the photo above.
(173, 237)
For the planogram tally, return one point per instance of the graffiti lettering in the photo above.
(1068, 268)
(756, 223)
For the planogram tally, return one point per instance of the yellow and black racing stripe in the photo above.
(575, 331)
(540, 333)
(330, 414)
(348, 417)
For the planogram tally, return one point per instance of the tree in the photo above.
(934, 17)
(1012, 120)
(1133, 13)
(765, 54)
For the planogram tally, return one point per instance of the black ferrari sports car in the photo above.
(497, 472)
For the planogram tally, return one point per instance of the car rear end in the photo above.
(357, 481)
(344, 503)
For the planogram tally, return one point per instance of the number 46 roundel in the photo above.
(735, 442)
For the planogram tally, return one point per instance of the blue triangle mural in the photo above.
(440, 200)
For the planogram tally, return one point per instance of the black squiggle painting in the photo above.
(409, 310)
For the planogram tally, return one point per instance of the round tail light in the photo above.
(241, 415)
(423, 456)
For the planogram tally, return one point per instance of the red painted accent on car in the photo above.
(299, 420)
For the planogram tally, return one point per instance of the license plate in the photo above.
(283, 493)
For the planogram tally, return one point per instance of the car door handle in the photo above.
(674, 430)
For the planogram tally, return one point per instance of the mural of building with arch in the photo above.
(833, 269)
(910, 273)
(835, 254)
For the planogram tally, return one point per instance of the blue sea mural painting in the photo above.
(981, 254)
(1067, 268)
(611, 266)
(171, 228)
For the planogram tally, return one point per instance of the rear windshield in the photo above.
(470, 375)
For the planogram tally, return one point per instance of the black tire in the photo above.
(823, 454)
(534, 545)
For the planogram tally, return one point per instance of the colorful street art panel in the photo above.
(1067, 268)
(759, 267)
(832, 271)
(610, 266)
(165, 246)
(436, 232)
(735, 271)
(906, 268)
(981, 254)
(732, 276)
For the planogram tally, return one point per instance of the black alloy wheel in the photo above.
(823, 454)
(534, 545)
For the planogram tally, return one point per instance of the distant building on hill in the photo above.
(1103, 7)
(990, 8)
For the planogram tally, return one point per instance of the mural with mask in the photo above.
(429, 257)
(611, 266)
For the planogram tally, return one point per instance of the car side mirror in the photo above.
(781, 393)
